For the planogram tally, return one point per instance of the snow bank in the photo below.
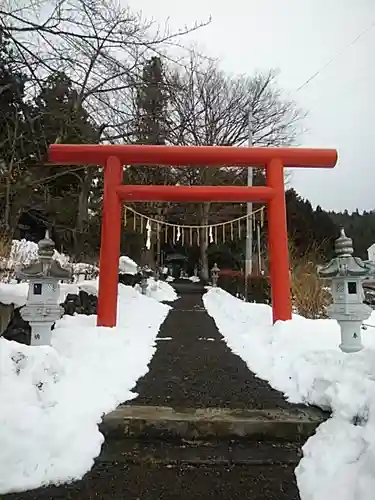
(83, 271)
(13, 293)
(301, 358)
(194, 279)
(127, 265)
(53, 398)
(16, 293)
(159, 290)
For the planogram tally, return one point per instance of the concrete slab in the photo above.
(294, 424)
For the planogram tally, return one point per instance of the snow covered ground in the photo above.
(127, 265)
(16, 293)
(159, 290)
(194, 279)
(301, 358)
(53, 398)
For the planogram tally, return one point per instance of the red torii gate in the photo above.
(113, 157)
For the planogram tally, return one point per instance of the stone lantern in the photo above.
(42, 307)
(215, 273)
(145, 273)
(347, 274)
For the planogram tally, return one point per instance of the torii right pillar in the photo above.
(278, 243)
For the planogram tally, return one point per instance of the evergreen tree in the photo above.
(15, 141)
(60, 117)
(151, 104)
(309, 229)
(361, 228)
(150, 127)
(151, 119)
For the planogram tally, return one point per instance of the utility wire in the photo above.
(336, 56)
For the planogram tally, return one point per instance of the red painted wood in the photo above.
(278, 244)
(135, 154)
(194, 194)
(110, 244)
(114, 156)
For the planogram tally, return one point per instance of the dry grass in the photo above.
(310, 294)
(5, 246)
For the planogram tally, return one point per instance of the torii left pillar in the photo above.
(110, 242)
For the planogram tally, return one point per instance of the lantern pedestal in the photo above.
(351, 339)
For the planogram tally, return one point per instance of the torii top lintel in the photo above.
(179, 156)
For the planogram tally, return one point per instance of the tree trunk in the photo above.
(83, 211)
(14, 203)
(11, 210)
(203, 244)
(83, 200)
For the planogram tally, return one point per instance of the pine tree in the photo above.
(15, 141)
(152, 104)
(151, 128)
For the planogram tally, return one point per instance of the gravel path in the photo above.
(194, 367)
(118, 481)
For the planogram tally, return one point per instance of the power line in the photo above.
(337, 55)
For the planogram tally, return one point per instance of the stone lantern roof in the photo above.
(45, 266)
(344, 264)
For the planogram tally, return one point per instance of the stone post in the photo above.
(215, 273)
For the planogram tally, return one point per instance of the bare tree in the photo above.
(100, 45)
(208, 107)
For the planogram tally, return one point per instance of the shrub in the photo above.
(5, 248)
(257, 289)
(310, 294)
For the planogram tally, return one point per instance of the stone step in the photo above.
(159, 452)
(156, 422)
(198, 453)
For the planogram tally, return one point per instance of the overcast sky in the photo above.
(298, 37)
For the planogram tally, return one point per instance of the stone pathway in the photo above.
(192, 368)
